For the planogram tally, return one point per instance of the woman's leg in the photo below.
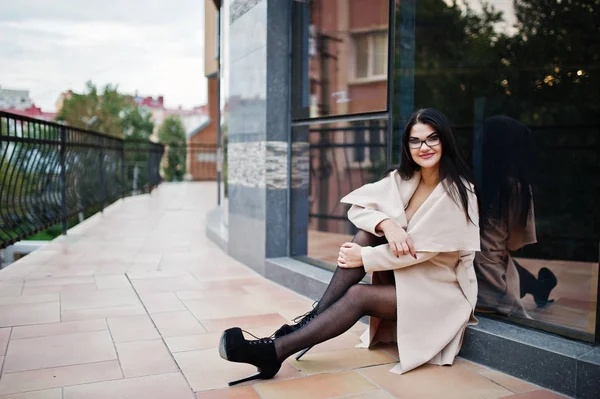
(527, 281)
(345, 278)
(359, 300)
(539, 287)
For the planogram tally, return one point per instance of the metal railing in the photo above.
(343, 159)
(51, 172)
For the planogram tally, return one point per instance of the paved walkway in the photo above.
(132, 302)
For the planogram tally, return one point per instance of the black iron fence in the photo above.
(343, 159)
(50, 172)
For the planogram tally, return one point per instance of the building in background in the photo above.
(14, 99)
(32, 112)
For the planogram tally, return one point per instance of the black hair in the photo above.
(454, 172)
(506, 169)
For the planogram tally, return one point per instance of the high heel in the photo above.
(546, 283)
(303, 352)
(260, 353)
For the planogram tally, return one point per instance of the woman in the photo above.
(427, 211)
(507, 220)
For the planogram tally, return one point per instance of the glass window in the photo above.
(536, 63)
(339, 57)
(341, 157)
(361, 51)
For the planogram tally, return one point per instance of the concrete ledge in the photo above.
(551, 361)
(215, 230)
(298, 276)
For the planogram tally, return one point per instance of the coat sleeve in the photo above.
(381, 258)
(367, 219)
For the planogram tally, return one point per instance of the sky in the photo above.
(152, 47)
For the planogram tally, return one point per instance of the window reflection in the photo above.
(340, 57)
(536, 62)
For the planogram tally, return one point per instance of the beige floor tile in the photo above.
(227, 307)
(60, 376)
(5, 334)
(34, 313)
(167, 284)
(511, 383)
(316, 387)
(390, 348)
(113, 268)
(58, 350)
(98, 299)
(173, 324)
(342, 342)
(345, 359)
(469, 365)
(211, 293)
(165, 386)
(157, 274)
(110, 282)
(244, 392)
(51, 289)
(205, 369)
(537, 394)
(193, 342)
(43, 282)
(246, 322)
(63, 271)
(145, 358)
(450, 383)
(113, 311)
(10, 288)
(132, 328)
(371, 395)
(55, 393)
(162, 302)
(62, 328)
(25, 299)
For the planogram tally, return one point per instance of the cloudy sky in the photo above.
(153, 47)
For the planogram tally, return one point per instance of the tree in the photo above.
(97, 111)
(136, 123)
(172, 135)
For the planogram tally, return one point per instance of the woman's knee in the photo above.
(366, 239)
(356, 294)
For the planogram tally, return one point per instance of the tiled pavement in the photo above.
(131, 304)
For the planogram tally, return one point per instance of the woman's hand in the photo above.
(350, 256)
(397, 237)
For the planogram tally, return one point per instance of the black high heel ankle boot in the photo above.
(546, 283)
(300, 322)
(260, 353)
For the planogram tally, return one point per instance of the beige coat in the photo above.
(436, 293)
(499, 285)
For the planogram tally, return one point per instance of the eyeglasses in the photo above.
(431, 141)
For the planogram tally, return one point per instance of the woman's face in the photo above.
(425, 146)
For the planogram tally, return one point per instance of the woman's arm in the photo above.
(366, 219)
(382, 258)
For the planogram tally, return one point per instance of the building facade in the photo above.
(15, 99)
(314, 95)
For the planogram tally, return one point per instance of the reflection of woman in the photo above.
(427, 212)
(507, 220)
